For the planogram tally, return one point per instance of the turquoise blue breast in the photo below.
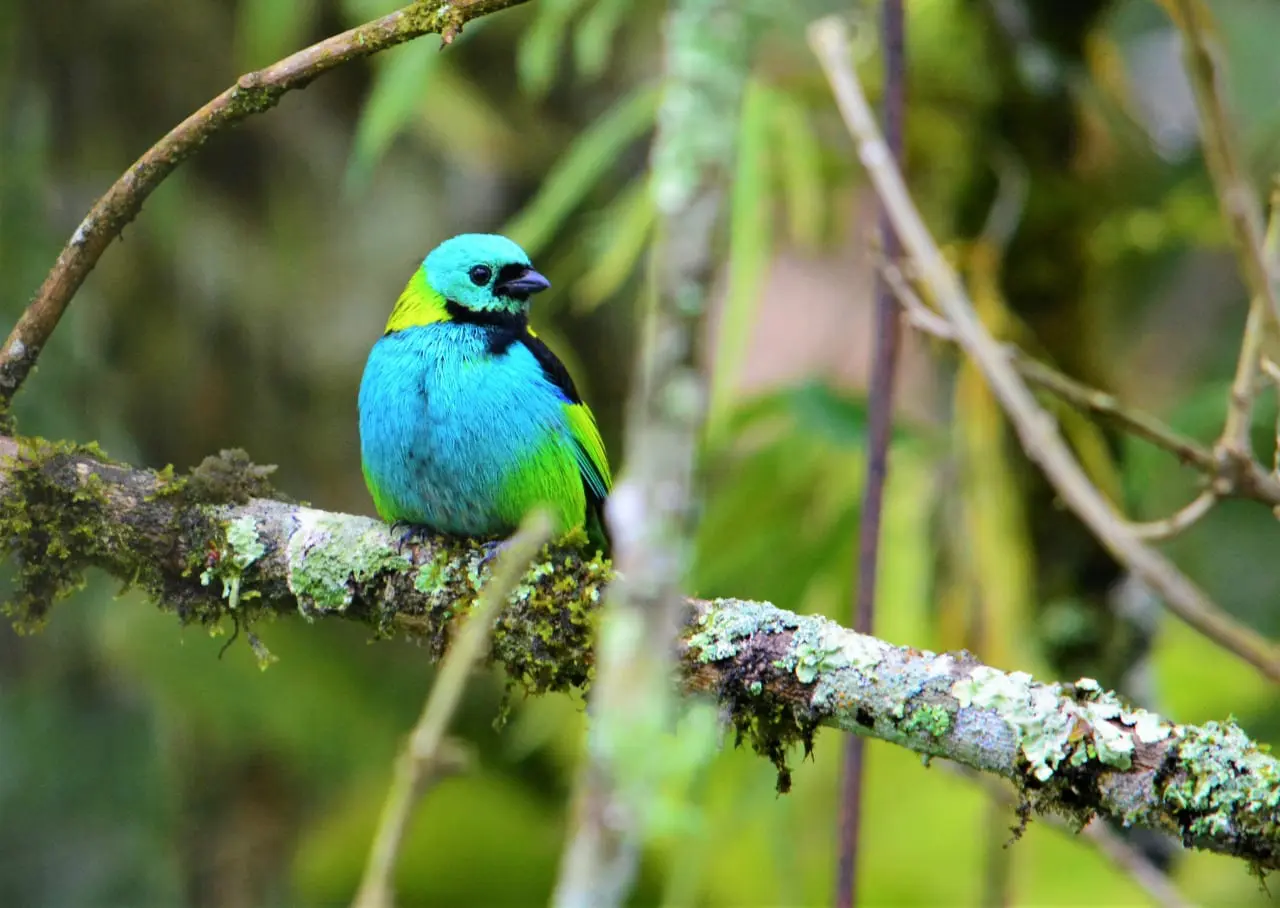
(445, 425)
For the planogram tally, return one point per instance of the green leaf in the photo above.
(593, 38)
(539, 53)
(460, 120)
(750, 245)
(267, 30)
(621, 234)
(585, 163)
(403, 79)
(798, 157)
(821, 410)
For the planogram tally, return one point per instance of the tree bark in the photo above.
(210, 548)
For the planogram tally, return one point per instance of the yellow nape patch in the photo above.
(418, 305)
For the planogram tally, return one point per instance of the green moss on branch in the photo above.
(1072, 749)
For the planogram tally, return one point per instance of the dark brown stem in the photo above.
(884, 367)
(253, 93)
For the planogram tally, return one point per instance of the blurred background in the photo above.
(139, 768)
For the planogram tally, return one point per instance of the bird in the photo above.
(467, 419)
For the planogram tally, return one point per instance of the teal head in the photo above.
(483, 273)
(473, 277)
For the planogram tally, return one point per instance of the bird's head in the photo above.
(483, 274)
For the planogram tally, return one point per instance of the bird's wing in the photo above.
(589, 452)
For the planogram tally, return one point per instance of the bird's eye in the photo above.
(480, 275)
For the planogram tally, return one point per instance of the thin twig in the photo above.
(1036, 429)
(253, 93)
(1132, 861)
(1236, 197)
(1235, 441)
(425, 754)
(884, 368)
(1079, 395)
(1089, 400)
(1168, 527)
(1101, 403)
(1272, 372)
(919, 315)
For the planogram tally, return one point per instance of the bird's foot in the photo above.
(492, 550)
(416, 533)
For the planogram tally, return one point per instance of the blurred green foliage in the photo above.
(138, 767)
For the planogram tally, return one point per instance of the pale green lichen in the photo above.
(821, 646)
(435, 574)
(328, 556)
(841, 663)
(930, 718)
(723, 628)
(243, 546)
(813, 658)
(1225, 780)
(1053, 728)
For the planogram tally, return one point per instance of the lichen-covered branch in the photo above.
(205, 547)
(253, 93)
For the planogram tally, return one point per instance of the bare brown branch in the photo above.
(1229, 479)
(253, 93)
(1236, 197)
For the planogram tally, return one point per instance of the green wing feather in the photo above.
(589, 451)
(593, 464)
(588, 448)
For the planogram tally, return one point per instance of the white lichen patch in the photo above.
(243, 547)
(822, 646)
(327, 555)
(81, 236)
(729, 622)
(1053, 728)
(1148, 727)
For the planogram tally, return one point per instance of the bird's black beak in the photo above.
(523, 284)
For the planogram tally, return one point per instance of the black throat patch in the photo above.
(505, 328)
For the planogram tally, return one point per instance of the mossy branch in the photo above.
(253, 93)
(211, 551)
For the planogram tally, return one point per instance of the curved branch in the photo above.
(1237, 199)
(253, 93)
(1072, 750)
(1230, 478)
(1037, 431)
